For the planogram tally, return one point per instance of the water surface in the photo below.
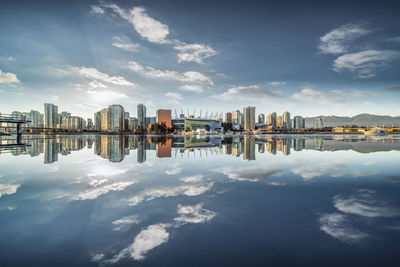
(200, 201)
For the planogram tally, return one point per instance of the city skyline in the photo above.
(86, 55)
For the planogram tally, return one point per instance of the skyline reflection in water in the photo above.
(116, 147)
(91, 200)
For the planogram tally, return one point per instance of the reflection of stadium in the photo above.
(199, 124)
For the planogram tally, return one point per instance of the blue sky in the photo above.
(311, 58)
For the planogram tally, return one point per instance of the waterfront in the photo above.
(90, 200)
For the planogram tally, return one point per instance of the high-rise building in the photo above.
(237, 119)
(298, 122)
(97, 121)
(164, 116)
(271, 120)
(141, 116)
(279, 122)
(117, 118)
(286, 121)
(249, 114)
(105, 119)
(73, 123)
(89, 125)
(50, 116)
(34, 117)
(318, 123)
(228, 117)
(261, 118)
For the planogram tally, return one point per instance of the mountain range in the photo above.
(364, 119)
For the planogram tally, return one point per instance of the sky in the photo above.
(307, 57)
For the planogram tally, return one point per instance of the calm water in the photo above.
(148, 201)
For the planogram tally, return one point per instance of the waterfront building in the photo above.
(34, 117)
(318, 123)
(249, 114)
(141, 116)
(105, 119)
(279, 122)
(164, 116)
(271, 120)
(286, 121)
(237, 121)
(299, 122)
(73, 123)
(261, 118)
(228, 117)
(50, 116)
(89, 125)
(97, 121)
(117, 118)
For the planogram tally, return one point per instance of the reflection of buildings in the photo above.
(318, 143)
(237, 148)
(249, 148)
(299, 144)
(141, 151)
(261, 148)
(271, 145)
(110, 147)
(286, 144)
(228, 149)
(163, 149)
(50, 150)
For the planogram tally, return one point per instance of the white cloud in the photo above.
(192, 88)
(186, 189)
(193, 179)
(148, 239)
(106, 96)
(353, 93)
(104, 189)
(251, 174)
(186, 77)
(174, 95)
(174, 98)
(194, 52)
(147, 27)
(194, 214)
(337, 226)
(8, 77)
(364, 63)
(366, 204)
(8, 189)
(337, 41)
(277, 83)
(125, 221)
(96, 10)
(127, 46)
(97, 84)
(315, 170)
(174, 171)
(93, 73)
(310, 95)
(252, 92)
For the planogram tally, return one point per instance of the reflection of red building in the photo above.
(164, 150)
(164, 115)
